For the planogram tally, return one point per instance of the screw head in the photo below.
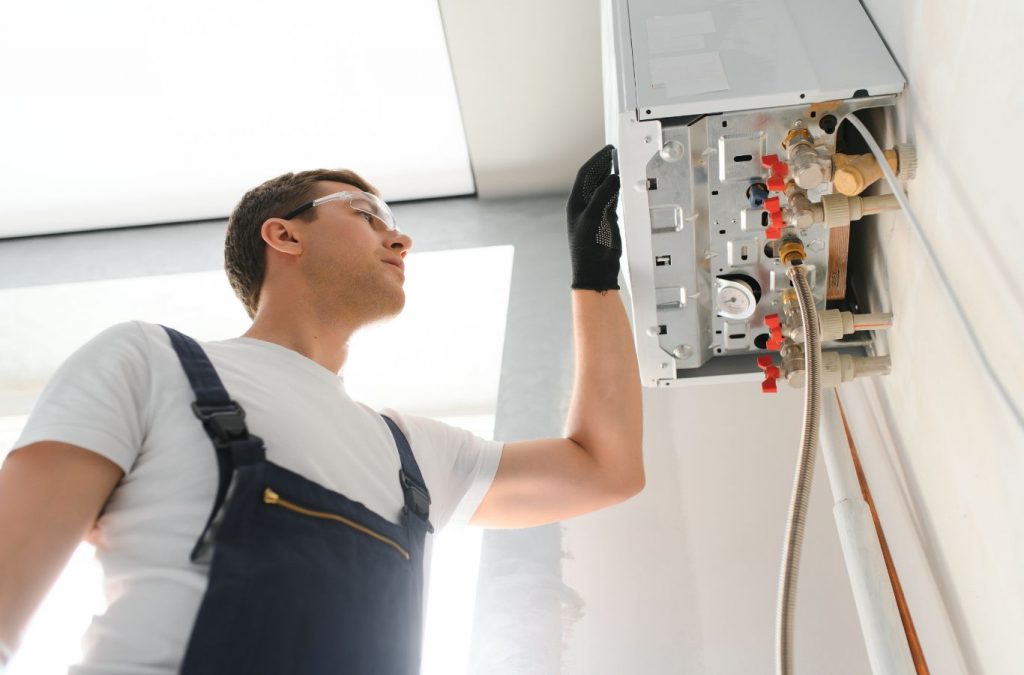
(672, 151)
(683, 352)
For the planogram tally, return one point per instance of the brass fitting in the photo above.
(800, 212)
(790, 310)
(805, 166)
(790, 250)
(852, 174)
(797, 134)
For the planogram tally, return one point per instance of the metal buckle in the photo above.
(415, 495)
(225, 422)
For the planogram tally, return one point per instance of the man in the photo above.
(248, 515)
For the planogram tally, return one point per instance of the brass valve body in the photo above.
(797, 135)
(790, 250)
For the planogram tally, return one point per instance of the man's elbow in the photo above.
(632, 487)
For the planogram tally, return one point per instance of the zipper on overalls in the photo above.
(271, 497)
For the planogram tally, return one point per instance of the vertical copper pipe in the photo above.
(908, 622)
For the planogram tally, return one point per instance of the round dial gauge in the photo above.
(735, 299)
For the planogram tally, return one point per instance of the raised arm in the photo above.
(600, 460)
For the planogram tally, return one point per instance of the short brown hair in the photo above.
(245, 260)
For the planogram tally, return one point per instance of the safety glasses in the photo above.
(364, 202)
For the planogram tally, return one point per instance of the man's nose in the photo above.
(401, 241)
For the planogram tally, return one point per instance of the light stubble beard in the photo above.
(364, 297)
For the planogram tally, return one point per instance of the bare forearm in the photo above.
(606, 412)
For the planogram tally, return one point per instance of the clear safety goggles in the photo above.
(363, 202)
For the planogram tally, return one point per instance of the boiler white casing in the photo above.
(725, 81)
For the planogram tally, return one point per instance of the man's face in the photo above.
(349, 259)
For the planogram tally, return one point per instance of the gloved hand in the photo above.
(594, 242)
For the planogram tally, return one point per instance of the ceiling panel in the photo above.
(119, 112)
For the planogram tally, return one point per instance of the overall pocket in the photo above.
(274, 499)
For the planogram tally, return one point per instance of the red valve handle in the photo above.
(774, 231)
(777, 172)
(771, 374)
(774, 209)
(775, 328)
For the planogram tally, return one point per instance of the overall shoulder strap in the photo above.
(417, 497)
(222, 418)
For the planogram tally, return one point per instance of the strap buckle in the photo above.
(416, 498)
(223, 422)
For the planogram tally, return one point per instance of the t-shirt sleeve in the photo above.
(97, 398)
(457, 465)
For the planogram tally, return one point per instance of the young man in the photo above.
(249, 516)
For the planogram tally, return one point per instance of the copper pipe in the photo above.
(916, 653)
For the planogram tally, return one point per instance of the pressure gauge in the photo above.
(735, 299)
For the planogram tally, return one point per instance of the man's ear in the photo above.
(282, 235)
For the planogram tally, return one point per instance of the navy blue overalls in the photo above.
(302, 579)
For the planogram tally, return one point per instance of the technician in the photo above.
(249, 516)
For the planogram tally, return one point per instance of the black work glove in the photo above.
(594, 242)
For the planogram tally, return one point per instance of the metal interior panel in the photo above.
(702, 91)
(704, 225)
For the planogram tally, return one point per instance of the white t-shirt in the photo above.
(124, 395)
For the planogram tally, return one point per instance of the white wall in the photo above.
(683, 577)
(528, 77)
(959, 446)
